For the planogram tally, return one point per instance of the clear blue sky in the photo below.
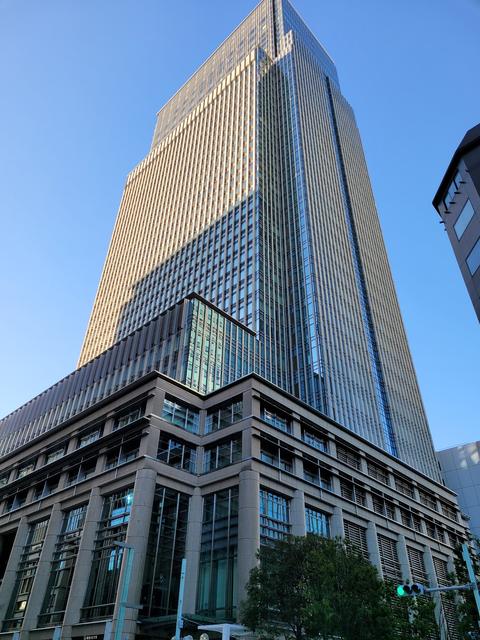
(80, 83)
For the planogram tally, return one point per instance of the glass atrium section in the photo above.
(177, 343)
(107, 557)
(27, 568)
(62, 568)
(166, 548)
(217, 586)
(274, 517)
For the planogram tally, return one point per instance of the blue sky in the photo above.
(80, 85)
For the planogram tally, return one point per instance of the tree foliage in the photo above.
(316, 588)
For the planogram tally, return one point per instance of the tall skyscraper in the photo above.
(244, 347)
(256, 195)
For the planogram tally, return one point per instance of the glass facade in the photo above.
(276, 228)
(27, 568)
(217, 582)
(166, 548)
(177, 453)
(222, 453)
(107, 557)
(180, 414)
(62, 567)
(274, 517)
(224, 415)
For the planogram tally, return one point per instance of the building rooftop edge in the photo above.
(469, 141)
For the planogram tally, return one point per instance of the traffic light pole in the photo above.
(471, 575)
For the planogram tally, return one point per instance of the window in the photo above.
(463, 219)
(4, 478)
(88, 436)
(27, 568)
(55, 454)
(473, 259)
(221, 454)
(125, 452)
(383, 506)
(404, 486)
(128, 416)
(26, 468)
(273, 454)
(449, 510)
(276, 418)
(217, 593)
(318, 475)
(224, 415)
(274, 517)
(180, 414)
(81, 471)
(357, 536)
(107, 556)
(16, 501)
(46, 487)
(317, 522)
(348, 456)
(389, 558)
(427, 499)
(378, 472)
(315, 439)
(62, 567)
(352, 492)
(177, 453)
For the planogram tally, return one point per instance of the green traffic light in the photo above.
(401, 591)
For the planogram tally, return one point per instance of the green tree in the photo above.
(317, 588)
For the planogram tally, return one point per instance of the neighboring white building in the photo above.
(461, 471)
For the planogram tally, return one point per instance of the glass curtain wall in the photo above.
(27, 569)
(63, 565)
(217, 589)
(107, 557)
(166, 547)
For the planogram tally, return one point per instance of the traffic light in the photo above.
(406, 589)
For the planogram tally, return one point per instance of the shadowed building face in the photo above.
(255, 194)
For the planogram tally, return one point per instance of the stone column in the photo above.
(297, 513)
(81, 573)
(192, 550)
(42, 573)
(149, 441)
(10, 574)
(373, 549)
(247, 443)
(248, 526)
(403, 558)
(137, 538)
(337, 530)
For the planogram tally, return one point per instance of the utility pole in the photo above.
(179, 626)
